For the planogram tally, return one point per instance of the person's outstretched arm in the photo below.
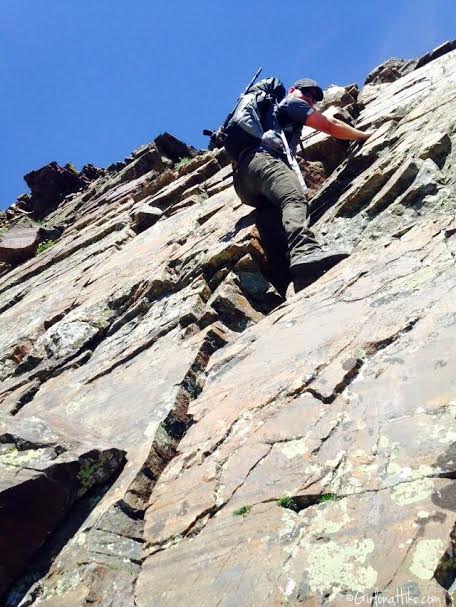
(336, 128)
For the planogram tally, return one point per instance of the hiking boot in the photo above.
(307, 268)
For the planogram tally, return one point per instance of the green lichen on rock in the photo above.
(426, 557)
(330, 518)
(412, 492)
(294, 448)
(339, 567)
(61, 586)
(360, 354)
(15, 457)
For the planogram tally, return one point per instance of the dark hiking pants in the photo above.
(262, 179)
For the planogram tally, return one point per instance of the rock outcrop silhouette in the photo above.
(179, 428)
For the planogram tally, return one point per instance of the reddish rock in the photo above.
(342, 97)
(43, 472)
(19, 244)
(390, 71)
(49, 185)
(174, 148)
(145, 216)
(144, 162)
(314, 175)
(439, 51)
(276, 449)
(91, 172)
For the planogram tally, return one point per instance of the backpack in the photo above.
(251, 117)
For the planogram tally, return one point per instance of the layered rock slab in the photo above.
(355, 411)
(19, 244)
(404, 170)
(43, 472)
(108, 544)
(120, 355)
(117, 332)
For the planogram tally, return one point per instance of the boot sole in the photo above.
(316, 267)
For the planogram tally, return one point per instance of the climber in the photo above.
(267, 175)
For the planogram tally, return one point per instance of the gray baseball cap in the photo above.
(308, 83)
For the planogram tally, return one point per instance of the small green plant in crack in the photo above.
(288, 502)
(182, 162)
(87, 473)
(44, 246)
(242, 511)
(328, 497)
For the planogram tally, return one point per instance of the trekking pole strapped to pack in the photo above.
(252, 122)
(245, 125)
(293, 162)
(217, 137)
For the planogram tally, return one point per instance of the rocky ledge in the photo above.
(178, 427)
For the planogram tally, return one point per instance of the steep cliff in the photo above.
(177, 431)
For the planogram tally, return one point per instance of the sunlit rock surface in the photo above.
(207, 441)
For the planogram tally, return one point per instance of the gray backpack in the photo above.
(246, 124)
(252, 122)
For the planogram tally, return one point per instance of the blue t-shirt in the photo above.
(291, 115)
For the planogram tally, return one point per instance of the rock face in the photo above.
(50, 184)
(43, 474)
(390, 71)
(19, 244)
(175, 431)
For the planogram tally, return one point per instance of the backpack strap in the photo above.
(293, 163)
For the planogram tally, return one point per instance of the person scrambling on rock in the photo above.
(261, 137)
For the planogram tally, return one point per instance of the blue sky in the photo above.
(90, 80)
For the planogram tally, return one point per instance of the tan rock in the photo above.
(278, 452)
(19, 244)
